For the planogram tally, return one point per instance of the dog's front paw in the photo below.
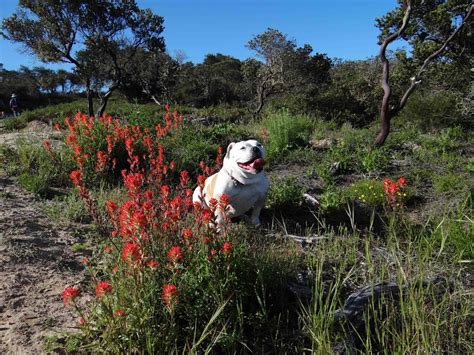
(255, 221)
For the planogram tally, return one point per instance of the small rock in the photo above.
(321, 143)
(335, 168)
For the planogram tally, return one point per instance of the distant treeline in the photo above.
(123, 51)
(337, 90)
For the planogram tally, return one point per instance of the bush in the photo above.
(449, 182)
(285, 192)
(332, 199)
(41, 167)
(433, 109)
(369, 192)
(284, 132)
(374, 160)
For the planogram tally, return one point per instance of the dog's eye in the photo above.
(243, 148)
(259, 145)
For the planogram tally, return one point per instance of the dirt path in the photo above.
(36, 264)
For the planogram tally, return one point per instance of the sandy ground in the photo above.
(36, 264)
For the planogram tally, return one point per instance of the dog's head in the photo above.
(247, 156)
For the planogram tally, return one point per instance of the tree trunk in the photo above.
(102, 106)
(385, 114)
(104, 99)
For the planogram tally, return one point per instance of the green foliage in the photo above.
(450, 182)
(63, 210)
(374, 160)
(369, 192)
(38, 170)
(55, 113)
(284, 132)
(285, 192)
(333, 199)
(429, 110)
(15, 123)
(189, 145)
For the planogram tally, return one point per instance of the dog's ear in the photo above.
(229, 148)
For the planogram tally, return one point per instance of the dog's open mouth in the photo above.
(255, 164)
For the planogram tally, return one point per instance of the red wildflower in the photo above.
(165, 191)
(201, 179)
(148, 194)
(139, 220)
(119, 312)
(70, 293)
(103, 288)
(207, 216)
(75, 176)
(47, 145)
(213, 204)
(170, 295)
(152, 263)
(101, 160)
(187, 233)
(85, 261)
(227, 247)
(111, 207)
(402, 182)
(224, 201)
(107, 249)
(175, 254)
(184, 178)
(82, 321)
(131, 252)
(133, 181)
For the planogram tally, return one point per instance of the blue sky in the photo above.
(340, 28)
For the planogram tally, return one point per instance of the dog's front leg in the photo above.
(255, 216)
(221, 217)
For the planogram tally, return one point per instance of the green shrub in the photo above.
(431, 109)
(66, 209)
(369, 192)
(284, 132)
(332, 199)
(15, 123)
(374, 160)
(189, 145)
(449, 182)
(38, 170)
(284, 193)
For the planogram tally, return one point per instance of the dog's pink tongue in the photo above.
(258, 164)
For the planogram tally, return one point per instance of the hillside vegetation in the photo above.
(162, 279)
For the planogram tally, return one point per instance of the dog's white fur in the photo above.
(247, 188)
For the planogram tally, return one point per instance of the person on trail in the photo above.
(14, 106)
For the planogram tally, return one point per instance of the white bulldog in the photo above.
(241, 178)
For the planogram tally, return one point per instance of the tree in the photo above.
(284, 66)
(99, 37)
(152, 75)
(433, 28)
(45, 79)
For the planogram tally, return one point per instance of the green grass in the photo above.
(284, 133)
(37, 170)
(285, 193)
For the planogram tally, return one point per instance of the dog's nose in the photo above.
(255, 150)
